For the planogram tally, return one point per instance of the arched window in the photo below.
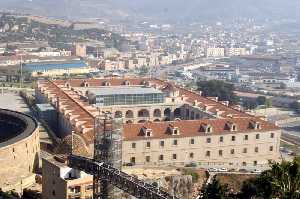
(129, 114)
(143, 113)
(167, 112)
(157, 113)
(118, 114)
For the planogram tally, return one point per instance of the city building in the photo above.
(124, 96)
(63, 182)
(215, 52)
(161, 118)
(55, 68)
(80, 50)
(230, 143)
(235, 52)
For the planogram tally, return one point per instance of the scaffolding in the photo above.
(107, 149)
(117, 178)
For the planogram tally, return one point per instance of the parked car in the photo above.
(223, 170)
(128, 164)
(256, 171)
(213, 170)
(192, 164)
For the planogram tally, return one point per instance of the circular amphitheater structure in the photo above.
(19, 150)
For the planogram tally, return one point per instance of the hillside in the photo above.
(165, 10)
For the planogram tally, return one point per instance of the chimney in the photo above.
(195, 102)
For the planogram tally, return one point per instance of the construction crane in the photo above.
(117, 178)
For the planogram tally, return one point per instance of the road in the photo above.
(291, 128)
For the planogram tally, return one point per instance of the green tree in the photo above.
(249, 189)
(281, 181)
(249, 104)
(224, 91)
(9, 194)
(31, 194)
(215, 190)
(285, 179)
(295, 106)
(268, 103)
(194, 174)
(261, 100)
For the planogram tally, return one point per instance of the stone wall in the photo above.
(19, 161)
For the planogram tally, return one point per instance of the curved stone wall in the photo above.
(19, 148)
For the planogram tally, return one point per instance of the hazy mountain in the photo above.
(164, 10)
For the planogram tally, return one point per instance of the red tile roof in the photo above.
(191, 128)
(71, 100)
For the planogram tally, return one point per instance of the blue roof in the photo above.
(45, 107)
(42, 66)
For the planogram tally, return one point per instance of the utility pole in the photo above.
(21, 72)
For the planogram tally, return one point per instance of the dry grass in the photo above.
(234, 181)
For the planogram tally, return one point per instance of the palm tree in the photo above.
(281, 181)
(285, 180)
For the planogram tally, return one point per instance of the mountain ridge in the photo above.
(158, 10)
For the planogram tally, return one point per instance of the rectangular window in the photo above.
(220, 153)
(161, 158)
(175, 142)
(272, 135)
(132, 160)
(89, 187)
(257, 136)
(207, 153)
(208, 140)
(147, 158)
(133, 145)
(77, 189)
(245, 150)
(271, 148)
(221, 139)
(256, 149)
(232, 138)
(148, 134)
(191, 155)
(174, 156)
(246, 137)
(232, 151)
(148, 145)
(162, 143)
(192, 141)
(255, 163)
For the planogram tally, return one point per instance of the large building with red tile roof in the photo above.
(164, 124)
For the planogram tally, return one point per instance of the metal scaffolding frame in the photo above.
(107, 149)
(119, 179)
